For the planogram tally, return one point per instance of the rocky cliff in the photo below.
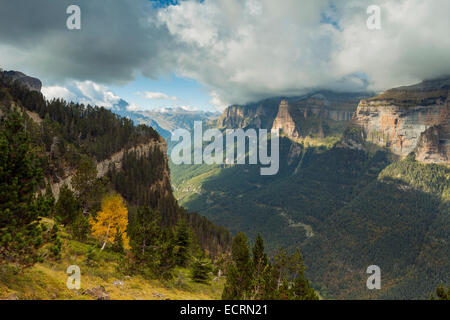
(295, 116)
(115, 160)
(31, 83)
(284, 121)
(255, 115)
(405, 119)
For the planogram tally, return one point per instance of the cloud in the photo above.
(58, 92)
(133, 108)
(117, 40)
(246, 50)
(412, 45)
(86, 92)
(176, 109)
(240, 50)
(156, 96)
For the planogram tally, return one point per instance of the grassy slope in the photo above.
(47, 280)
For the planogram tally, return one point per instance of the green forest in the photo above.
(346, 210)
(125, 224)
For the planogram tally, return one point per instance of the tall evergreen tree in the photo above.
(144, 231)
(86, 185)
(201, 267)
(300, 289)
(67, 208)
(182, 243)
(239, 271)
(259, 265)
(166, 254)
(21, 234)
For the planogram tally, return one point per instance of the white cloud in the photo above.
(156, 96)
(217, 102)
(86, 92)
(412, 45)
(58, 92)
(134, 108)
(176, 109)
(243, 50)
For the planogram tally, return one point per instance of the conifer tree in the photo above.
(300, 289)
(166, 254)
(239, 271)
(56, 247)
(20, 232)
(80, 227)
(117, 245)
(145, 233)
(259, 265)
(67, 207)
(182, 243)
(46, 202)
(85, 184)
(201, 267)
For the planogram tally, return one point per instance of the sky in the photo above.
(209, 54)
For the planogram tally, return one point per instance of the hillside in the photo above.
(399, 222)
(86, 192)
(66, 133)
(70, 196)
(47, 280)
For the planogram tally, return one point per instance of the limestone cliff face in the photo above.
(116, 160)
(308, 116)
(286, 114)
(249, 116)
(284, 121)
(406, 119)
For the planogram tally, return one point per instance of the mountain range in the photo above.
(364, 180)
(165, 120)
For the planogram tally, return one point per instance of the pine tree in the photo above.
(166, 254)
(21, 234)
(80, 227)
(239, 271)
(67, 207)
(201, 268)
(145, 233)
(56, 247)
(182, 243)
(259, 265)
(85, 184)
(46, 202)
(280, 272)
(117, 245)
(300, 289)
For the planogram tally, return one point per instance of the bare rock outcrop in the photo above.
(284, 121)
(31, 83)
(116, 161)
(99, 293)
(404, 120)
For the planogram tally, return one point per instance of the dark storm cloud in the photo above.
(117, 38)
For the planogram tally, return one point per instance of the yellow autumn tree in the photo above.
(112, 219)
